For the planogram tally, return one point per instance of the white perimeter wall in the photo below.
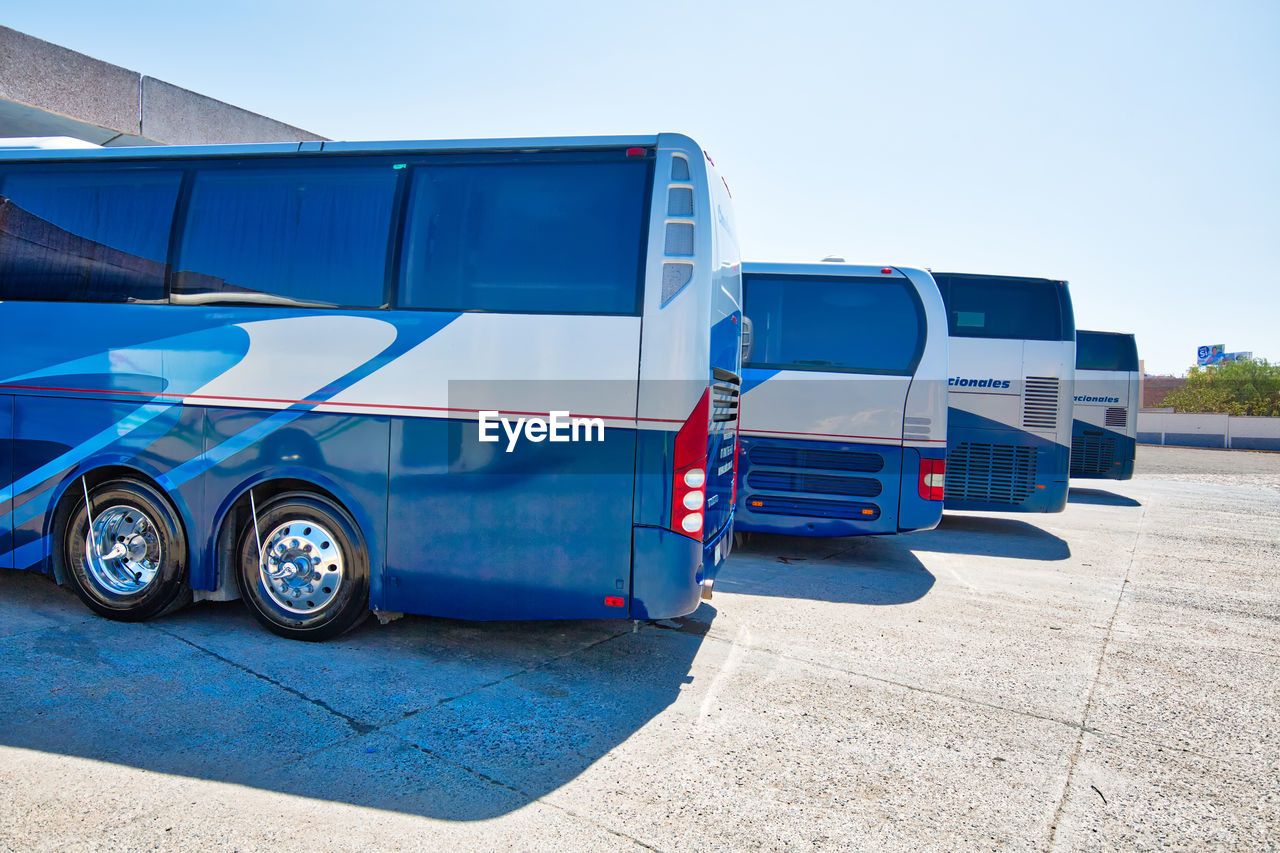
(1185, 430)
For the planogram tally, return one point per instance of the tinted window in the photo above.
(526, 237)
(1106, 351)
(1005, 307)
(307, 234)
(845, 324)
(93, 236)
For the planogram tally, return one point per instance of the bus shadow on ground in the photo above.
(449, 720)
(1100, 497)
(986, 536)
(876, 570)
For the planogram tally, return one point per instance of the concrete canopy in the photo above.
(50, 90)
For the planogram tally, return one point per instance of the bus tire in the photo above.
(312, 582)
(135, 567)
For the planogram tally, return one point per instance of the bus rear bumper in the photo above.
(666, 573)
(914, 512)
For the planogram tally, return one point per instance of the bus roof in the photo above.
(371, 147)
(1005, 278)
(827, 268)
(1081, 332)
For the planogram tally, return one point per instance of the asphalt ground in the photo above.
(1100, 679)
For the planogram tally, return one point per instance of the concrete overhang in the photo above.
(50, 90)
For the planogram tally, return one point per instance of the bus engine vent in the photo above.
(813, 508)
(1092, 454)
(917, 428)
(832, 460)
(990, 473)
(818, 484)
(725, 392)
(1117, 416)
(1040, 402)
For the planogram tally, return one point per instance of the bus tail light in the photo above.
(932, 478)
(689, 490)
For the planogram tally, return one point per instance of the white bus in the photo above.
(844, 419)
(1011, 376)
(261, 371)
(1104, 431)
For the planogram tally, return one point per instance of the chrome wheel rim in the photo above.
(301, 567)
(123, 551)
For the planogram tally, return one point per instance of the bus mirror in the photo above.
(746, 338)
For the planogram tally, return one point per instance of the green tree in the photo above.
(1250, 386)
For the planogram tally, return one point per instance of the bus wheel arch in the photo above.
(133, 563)
(302, 565)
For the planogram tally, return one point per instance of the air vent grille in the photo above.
(916, 428)
(830, 460)
(818, 484)
(990, 473)
(725, 391)
(1091, 454)
(1040, 402)
(774, 505)
(1117, 416)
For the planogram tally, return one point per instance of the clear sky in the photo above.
(1130, 147)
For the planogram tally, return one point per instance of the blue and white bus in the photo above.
(1104, 429)
(489, 379)
(1012, 365)
(844, 403)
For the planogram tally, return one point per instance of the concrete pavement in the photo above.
(1105, 678)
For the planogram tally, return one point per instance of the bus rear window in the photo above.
(838, 324)
(1105, 351)
(562, 238)
(1005, 307)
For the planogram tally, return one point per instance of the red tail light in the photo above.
(689, 490)
(933, 479)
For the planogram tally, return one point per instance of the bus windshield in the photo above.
(1105, 351)
(838, 324)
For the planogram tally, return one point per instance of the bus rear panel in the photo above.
(1104, 430)
(1012, 368)
(844, 406)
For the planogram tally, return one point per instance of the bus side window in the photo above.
(86, 236)
(298, 234)
(562, 238)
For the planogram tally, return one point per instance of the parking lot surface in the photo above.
(1104, 678)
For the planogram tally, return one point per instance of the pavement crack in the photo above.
(58, 627)
(368, 728)
(357, 726)
(1097, 676)
(969, 700)
(495, 682)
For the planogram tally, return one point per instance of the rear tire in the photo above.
(312, 582)
(135, 567)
